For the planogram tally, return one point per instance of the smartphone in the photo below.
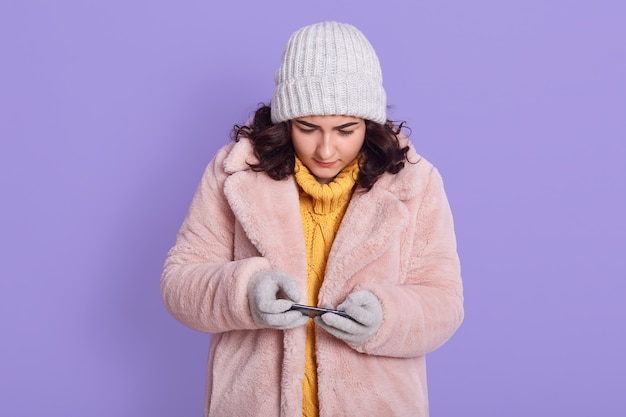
(317, 311)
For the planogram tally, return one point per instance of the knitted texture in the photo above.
(322, 207)
(329, 68)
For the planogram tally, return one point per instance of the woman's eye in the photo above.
(307, 130)
(345, 132)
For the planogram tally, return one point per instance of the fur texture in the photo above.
(396, 241)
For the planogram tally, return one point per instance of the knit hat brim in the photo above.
(329, 95)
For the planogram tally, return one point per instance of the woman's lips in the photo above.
(325, 164)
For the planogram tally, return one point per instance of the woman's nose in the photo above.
(325, 147)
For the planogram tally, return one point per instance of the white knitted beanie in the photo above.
(329, 68)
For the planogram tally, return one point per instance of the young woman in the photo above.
(321, 201)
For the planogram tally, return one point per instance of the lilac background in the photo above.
(109, 111)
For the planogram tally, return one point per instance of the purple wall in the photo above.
(109, 111)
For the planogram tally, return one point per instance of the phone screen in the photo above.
(317, 311)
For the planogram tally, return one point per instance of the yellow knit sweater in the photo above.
(322, 207)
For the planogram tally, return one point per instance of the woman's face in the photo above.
(327, 144)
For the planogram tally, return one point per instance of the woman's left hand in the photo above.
(367, 315)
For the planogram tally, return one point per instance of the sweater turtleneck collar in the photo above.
(327, 197)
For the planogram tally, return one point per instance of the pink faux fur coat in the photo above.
(397, 241)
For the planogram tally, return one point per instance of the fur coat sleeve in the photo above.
(202, 284)
(425, 306)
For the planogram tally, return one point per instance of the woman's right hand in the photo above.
(270, 296)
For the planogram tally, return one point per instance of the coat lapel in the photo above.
(372, 221)
(268, 211)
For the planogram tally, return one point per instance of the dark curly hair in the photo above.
(381, 151)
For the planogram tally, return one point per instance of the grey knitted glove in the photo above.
(270, 296)
(367, 315)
